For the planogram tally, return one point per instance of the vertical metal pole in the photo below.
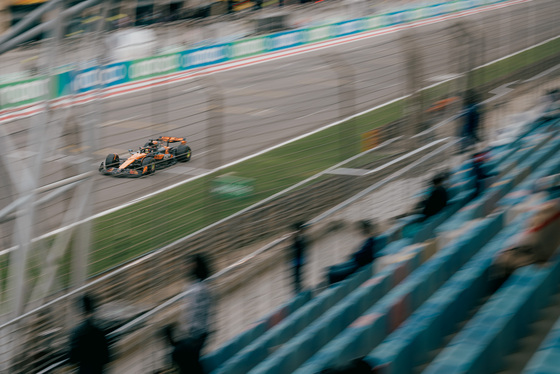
(214, 135)
(26, 216)
(348, 138)
(348, 133)
(23, 232)
(532, 26)
(133, 8)
(414, 111)
(90, 138)
(215, 122)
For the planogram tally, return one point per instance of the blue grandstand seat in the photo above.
(384, 316)
(312, 338)
(410, 344)
(259, 348)
(546, 359)
(349, 319)
(492, 333)
(552, 166)
(216, 358)
(487, 202)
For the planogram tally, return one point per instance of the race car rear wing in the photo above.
(172, 139)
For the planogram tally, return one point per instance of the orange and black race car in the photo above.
(155, 154)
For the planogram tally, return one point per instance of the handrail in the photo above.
(21, 38)
(62, 186)
(28, 20)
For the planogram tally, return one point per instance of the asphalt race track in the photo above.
(266, 103)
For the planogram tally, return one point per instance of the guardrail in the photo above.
(80, 81)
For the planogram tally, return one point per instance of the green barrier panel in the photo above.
(317, 34)
(153, 66)
(24, 92)
(373, 22)
(415, 14)
(247, 47)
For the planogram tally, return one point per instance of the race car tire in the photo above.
(112, 161)
(183, 153)
(150, 163)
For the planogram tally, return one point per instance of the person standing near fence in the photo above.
(184, 355)
(299, 248)
(89, 348)
(471, 122)
(196, 312)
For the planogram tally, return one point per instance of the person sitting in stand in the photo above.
(480, 175)
(471, 122)
(364, 256)
(429, 207)
(356, 366)
(437, 199)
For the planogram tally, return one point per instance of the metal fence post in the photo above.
(214, 144)
(414, 116)
(348, 134)
(348, 137)
(82, 246)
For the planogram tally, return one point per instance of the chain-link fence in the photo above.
(62, 223)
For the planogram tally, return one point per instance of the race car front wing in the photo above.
(119, 173)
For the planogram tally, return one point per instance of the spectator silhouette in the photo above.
(366, 254)
(478, 172)
(357, 366)
(89, 348)
(184, 354)
(471, 124)
(196, 314)
(430, 206)
(437, 199)
(299, 248)
(363, 256)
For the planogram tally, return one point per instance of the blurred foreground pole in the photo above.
(215, 140)
(348, 138)
(91, 132)
(215, 121)
(29, 177)
(460, 56)
(29, 182)
(79, 207)
(414, 116)
(348, 132)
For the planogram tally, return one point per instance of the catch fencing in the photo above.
(129, 255)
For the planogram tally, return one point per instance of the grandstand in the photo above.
(432, 283)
